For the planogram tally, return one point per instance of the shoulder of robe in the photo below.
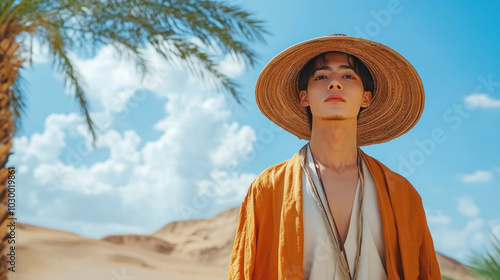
(272, 175)
(396, 183)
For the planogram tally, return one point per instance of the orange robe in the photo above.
(269, 240)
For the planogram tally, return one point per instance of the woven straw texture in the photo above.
(396, 106)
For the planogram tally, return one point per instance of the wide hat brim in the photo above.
(398, 97)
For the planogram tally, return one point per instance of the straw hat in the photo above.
(398, 97)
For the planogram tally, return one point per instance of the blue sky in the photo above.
(171, 148)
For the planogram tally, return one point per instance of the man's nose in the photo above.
(335, 84)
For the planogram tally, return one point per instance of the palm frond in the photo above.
(73, 81)
(198, 33)
(27, 11)
(487, 263)
(130, 25)
(17, 101)
(5, 8)
(15, 11)
(198, 63)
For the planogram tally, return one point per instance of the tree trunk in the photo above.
(10, 64)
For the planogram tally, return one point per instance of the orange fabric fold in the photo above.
(269, 240)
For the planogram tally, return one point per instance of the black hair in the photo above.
(359, 68)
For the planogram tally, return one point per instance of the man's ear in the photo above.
(304, 98)
(367, 99)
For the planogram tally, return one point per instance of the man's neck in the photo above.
(333, 144)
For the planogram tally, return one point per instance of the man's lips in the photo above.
(335, 98)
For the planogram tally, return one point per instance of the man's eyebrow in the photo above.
(326, 67)
(344, 66)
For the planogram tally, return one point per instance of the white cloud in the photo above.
(458, 242)
(439, 219)
(225, 187)
(110, 82)
(232, 67)
(458, 238)
(142, 182)
(467, 207)
(481, 100)
(39, 52)
(496, 230)
(113, 82)
(479, 176)
(233, 141)
(45, 147)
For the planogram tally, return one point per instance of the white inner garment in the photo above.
(320, 259)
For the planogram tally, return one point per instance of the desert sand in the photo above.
(182, 250)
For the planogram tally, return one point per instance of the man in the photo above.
(331, 211)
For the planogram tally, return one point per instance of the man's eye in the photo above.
(348, 76)
(320, 77)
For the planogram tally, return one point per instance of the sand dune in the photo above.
(181, 250)
(57, 255)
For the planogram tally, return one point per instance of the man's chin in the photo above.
(335, 118)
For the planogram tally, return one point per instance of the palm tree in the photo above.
(196, 32)
(487, 263)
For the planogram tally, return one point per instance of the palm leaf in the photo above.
(73, 81)
(128, 27)
(5, 8)
(9, 15)
(487, 263)
(199, 33)
(17, 101)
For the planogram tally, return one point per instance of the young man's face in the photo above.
(335, 91)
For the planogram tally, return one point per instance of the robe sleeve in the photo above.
(244, 248)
